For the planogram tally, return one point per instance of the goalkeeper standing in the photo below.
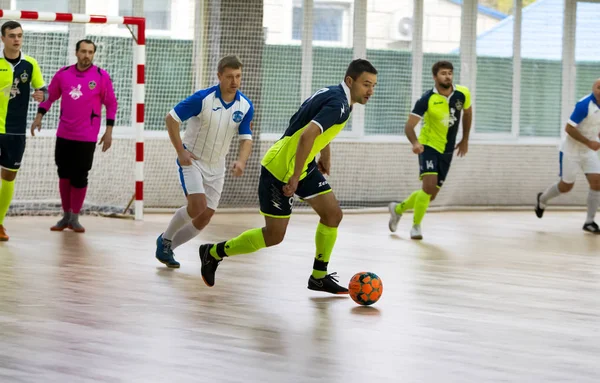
(83, 89)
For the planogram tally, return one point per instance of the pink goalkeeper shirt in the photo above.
(83, 94)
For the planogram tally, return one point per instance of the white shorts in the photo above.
(196, 180)
(571, 164)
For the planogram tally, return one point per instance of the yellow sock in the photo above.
(324, 240)
(408, 203)
(421, 204)
(6, 196)
(247, 242)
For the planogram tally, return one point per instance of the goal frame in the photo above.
(139, 63)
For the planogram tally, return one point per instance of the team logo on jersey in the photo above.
(14, 90)
(92, 85)
(75, 93)
(24, 77)
(238, 116)
(458, 105)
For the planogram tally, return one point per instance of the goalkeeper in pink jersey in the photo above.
(83, 89)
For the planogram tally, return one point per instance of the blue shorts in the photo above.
(273, 203)
(433, 162)
(12, 147)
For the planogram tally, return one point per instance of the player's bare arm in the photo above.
(463, 145)
(238, 166)
(324, 162)
(307, 139)
(185, 157)
(576, 135)
(409, 130)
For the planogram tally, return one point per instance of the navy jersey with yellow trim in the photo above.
(329, 108)
(15, 92)
(441, 117)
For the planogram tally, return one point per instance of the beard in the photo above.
(445, 85)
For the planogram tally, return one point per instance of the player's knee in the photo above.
(196, 206)
(273, 236)
(9, 175)
(332, 218)
(79, 180)
(63, 173)
(203, 219)
(564, 187)
(429, 189)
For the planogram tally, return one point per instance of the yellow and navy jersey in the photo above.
(16, 81)
(441, 117)
(329, 108)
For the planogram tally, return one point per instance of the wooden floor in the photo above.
(485, 297)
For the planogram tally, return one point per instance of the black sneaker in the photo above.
(592, 228)
(209, 264)
(327, 284)
(538, 210)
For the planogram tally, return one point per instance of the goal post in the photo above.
(138, 71)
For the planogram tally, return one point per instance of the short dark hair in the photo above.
(231, 61)
(441, 65)
(358, 67)
(10, 25)
(84, 41)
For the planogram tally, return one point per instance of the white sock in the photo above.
(593, 202)
(551, 192)
(184, 235)
(179, 220)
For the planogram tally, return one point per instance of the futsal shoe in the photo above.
(75, 225)
(538, 207)
(3, 235)
(62, 224)
(415, 232)
(394, 217)
(328, 284)
(164, 253)
(209, 264)
(592, 228)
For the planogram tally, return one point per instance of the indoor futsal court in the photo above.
(497, 289)
(493, 297)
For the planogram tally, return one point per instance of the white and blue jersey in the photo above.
(586, 118)
(212, 125)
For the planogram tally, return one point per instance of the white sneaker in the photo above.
(415, 232)
(394, 217)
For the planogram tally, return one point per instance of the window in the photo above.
(328, 22)
(42, 5)
(156, 12)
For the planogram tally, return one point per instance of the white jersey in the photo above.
(212, 125)
(586, 118)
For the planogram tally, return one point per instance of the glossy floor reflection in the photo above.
(485, 297)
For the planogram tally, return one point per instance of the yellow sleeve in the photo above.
(467, 93)
(37, 79)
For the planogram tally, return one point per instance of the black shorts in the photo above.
(73, 158)
(12, 147)
(270, 192)
(433, 162)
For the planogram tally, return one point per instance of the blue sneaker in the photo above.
(164, 253)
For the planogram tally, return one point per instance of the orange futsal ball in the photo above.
(365, 288)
